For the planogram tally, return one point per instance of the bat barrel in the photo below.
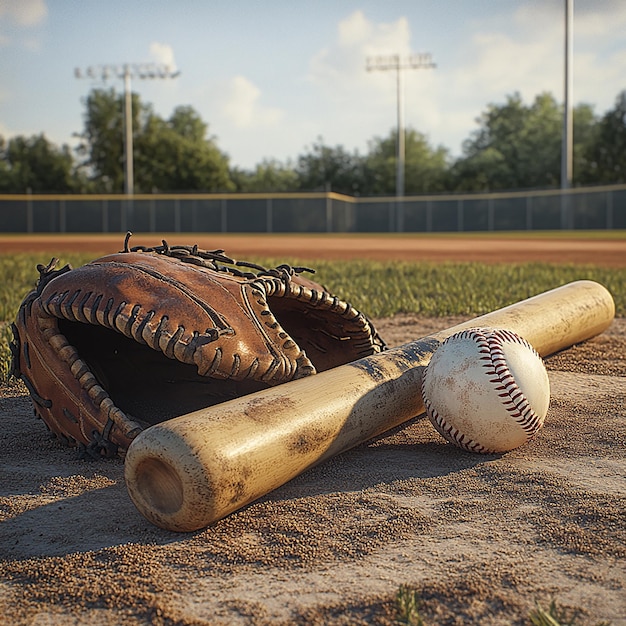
(553, 320)
(190, 471)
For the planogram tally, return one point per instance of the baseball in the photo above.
(486, 390)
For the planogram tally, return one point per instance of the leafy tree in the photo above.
(268, 176)
(325, 168)
(5, 169)
(516, 146)
(175, 155)
(424, 167)
(102, 144)
(35, 163)
(186, 122)
(169, 155)
(586, 126)
(519, 146)
(605, 157)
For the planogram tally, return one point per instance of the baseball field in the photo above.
(403, 529)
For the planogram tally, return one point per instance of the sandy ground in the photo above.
(481, 538)
(419, 247)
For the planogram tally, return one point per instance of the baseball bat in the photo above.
(187, 472)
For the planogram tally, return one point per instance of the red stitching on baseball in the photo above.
(518, 408)
(490, 342)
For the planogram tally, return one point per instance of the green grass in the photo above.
(555, 615)
(5, 352)
(19, 276)
(438, 289)
(408, 605)
(379, 289)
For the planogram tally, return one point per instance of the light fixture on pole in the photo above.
(397, 64)
(127, 71)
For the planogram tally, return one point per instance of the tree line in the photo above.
(516, 146)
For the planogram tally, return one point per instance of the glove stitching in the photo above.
(215, 317)
(80, 311)
(86, 305)
(82, 373)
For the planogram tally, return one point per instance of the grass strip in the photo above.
(379, 289)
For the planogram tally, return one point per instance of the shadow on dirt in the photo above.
(54, 503)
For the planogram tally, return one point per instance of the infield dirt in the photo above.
(604, 251)
(480, 538)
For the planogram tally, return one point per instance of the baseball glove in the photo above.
(147, 334)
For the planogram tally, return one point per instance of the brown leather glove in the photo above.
(138, 337)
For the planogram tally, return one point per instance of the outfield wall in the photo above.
(593, 208)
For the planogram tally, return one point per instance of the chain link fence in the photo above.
(579, 208)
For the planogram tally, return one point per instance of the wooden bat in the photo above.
(187, 472)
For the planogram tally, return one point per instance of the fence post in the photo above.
(329, 213)
(224, 215)
(152, 214)
(400, 215)
(62, 217)
(269, 215)
(459, 215)
(567, 220)
(529, 212)
(29, 211)
(123, 221)
(129, 213)
(490, 217)
(105, 216)
(429, 216)
(177, 215)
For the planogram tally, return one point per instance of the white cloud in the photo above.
(520, 50)
(501, 65)
(354, 29)
(163, 53)
(530, 58)
(599, 19)
(491, 57)
(8, 132)
(24, 12)
(526, 55)
(340, 67)
(361, 104)
(241, 105)
(603, 80)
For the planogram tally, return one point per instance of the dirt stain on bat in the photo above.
(266, 410)
(309, 441)
(405, 357)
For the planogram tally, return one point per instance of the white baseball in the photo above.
(486, 390)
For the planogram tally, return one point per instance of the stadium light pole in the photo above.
(398, 65)
(568, 120)
(126, 71)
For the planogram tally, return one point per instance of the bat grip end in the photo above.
(160, 486)
(166, 481)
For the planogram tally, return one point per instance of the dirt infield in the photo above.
(479, 538)
(608, 252)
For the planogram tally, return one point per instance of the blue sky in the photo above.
(270, 77)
